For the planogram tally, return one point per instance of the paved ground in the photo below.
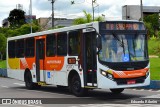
(11, 88)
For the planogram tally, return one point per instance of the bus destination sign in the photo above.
(122, 26)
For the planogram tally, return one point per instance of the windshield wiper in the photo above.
(123, 46)
(119, 41)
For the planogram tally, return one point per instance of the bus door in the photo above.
(90, 60)
(40, 60)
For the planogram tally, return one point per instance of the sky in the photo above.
(112, 9)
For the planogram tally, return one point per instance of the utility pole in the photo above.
(31, 14)
(141, 10)
(52, 2)
(159, 18)
(93, 8)
(93, 1)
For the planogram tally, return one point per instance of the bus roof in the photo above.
(74, 27)
(124, 21)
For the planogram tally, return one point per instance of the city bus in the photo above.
(99, 55)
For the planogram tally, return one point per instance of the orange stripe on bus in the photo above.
(130, 74)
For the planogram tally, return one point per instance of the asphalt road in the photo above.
(13, 89)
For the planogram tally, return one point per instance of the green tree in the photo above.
(2, 45)
(12, 33)
(152, 24)
(150, 29)
(4, 30)
(26, 29)
(16, 18)
(86, 19)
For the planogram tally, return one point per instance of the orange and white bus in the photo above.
(105, 55)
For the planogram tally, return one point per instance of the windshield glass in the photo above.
(123, 48)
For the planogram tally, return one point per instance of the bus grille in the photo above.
(124, 81)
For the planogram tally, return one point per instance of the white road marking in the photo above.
(134, 89)
(151, 90)
(47, 92)
(4, 86)
(19, 84)
(33, 106)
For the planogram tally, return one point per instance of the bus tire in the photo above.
(117, 91)
(28, 81)
(76, 88)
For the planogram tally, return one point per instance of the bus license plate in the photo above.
(131, 82)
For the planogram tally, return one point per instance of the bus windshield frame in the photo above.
(123, 49)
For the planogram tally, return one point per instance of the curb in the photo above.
(154, 84)
(3, 72)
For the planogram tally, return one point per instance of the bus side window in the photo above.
(11, 49)
(74, 45)
(62, 44)
(50, 45)
(20, 48)
(29, 49)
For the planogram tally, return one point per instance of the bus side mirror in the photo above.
(99, 42)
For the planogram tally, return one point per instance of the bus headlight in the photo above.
(104, 73)
(107, 74)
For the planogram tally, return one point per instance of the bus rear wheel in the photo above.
(117, 91)
(76, 88)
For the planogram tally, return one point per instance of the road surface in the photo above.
(52, 96)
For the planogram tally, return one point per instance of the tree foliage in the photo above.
(152, 24)
(86, 19)
(16, 18)
(153, 19)
(2, 45)
(8, 32)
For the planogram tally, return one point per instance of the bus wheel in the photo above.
(117, 91)
(28, 81)
(76, 88)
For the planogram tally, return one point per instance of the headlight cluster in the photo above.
(107, 74)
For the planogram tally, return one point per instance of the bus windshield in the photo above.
(123, 48)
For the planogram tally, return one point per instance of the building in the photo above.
(28, 18)
(133, 12)
(43, 21)
(46, 23)
(5, 23)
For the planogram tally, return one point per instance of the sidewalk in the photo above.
(153, 56)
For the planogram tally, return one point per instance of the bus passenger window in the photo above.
(20, 48)
(11, 49)
(62, 44)
(74, 45)
(29, 49)
(50, 45)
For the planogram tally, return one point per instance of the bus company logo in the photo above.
(6, 101)
(135, 74)
(54, 62)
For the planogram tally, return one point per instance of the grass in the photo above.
(155, 68)
(3, 64)
(154, 47)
